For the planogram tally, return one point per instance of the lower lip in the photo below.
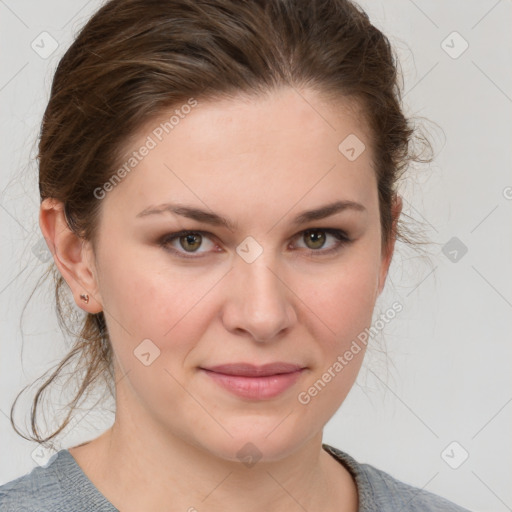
(255, 388)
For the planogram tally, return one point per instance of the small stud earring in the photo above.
(85, 298)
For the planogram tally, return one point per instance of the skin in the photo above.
(176, 434)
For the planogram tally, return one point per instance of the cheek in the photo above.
(343, 307)
(341, 301)
(144, 302)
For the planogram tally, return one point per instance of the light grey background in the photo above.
(446, 376)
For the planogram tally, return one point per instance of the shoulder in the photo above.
(37, 490)
(379, 491)
(58, 486)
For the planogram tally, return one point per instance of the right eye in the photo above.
(187, 239)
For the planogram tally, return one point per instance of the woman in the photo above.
(218, 192)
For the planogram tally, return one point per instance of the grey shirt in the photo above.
(62, 486)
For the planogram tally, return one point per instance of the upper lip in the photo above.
(250, 370)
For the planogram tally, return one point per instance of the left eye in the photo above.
(317, 237)
(191, 241)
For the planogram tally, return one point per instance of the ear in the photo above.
(72, 255)
(396, 210)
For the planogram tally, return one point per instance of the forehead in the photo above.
(279, 148)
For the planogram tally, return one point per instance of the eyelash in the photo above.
(340, 235)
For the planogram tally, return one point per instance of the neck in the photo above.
(137, 472)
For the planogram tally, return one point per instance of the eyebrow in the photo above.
(217, 220)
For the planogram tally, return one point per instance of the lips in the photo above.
(255, 382)
(250, 370)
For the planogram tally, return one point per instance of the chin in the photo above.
(251, 444)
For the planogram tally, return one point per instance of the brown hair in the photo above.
(135, 59)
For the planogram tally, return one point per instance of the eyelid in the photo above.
(340, 234)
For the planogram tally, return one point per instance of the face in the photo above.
(194, 318)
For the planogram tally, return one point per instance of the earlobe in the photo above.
(71, 255)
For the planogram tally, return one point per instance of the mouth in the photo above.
(255, 382)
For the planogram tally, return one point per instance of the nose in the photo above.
(260, 303)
